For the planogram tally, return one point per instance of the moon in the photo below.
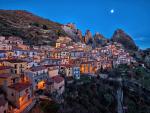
(112, 11)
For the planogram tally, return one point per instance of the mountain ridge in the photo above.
(29, 26)
(39, 31)
(121, 37)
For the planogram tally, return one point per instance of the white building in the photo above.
(37, 76)
(19, 94)
(58, 84)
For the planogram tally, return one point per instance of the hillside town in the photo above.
(26, 70)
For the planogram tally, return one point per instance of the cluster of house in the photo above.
(25, 69)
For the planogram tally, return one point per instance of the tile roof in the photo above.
(37, 68)
(5, 67)
(49, 82)
(67, 65)
(53, 65)
(15, 61)
(4, 75)
(57, 79)
(19, 86)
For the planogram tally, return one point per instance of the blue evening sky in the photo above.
(133, 16)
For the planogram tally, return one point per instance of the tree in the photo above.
(35, 24)
(45, 27)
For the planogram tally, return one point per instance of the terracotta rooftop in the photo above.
(67, 65)
(52, 58)
(57, 79)
(49, 82)
(19, 86)
(15, 61)
(37, 68)
(88, 62)
(5, 67)
(4, 75)
(51, 65)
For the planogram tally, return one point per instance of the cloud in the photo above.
(141, 38)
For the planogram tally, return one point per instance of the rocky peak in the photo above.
(71, 30)
(88, 36)
(99, 39)
(98, 36)
(72, 26)
(79, 34)
(121, 37)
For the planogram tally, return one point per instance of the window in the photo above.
(13, 80)
(11, 70)
(15, 65)
(12, 94)
(21, 66)
(35, 81)
(21, 71)
(15, 71)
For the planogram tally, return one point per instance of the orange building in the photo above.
(88, 67)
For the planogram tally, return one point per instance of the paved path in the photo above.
(119, 100)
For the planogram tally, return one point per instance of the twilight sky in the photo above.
(103, 16)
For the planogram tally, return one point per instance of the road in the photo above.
(133, 88)
(120, 100)
(119, 95)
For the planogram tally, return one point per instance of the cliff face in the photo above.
(100, 40)
(88, 37)
(33, 29)
(71, 30)
(121, 37)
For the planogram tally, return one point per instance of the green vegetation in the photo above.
(35, 24)
(29, 27)
(49, 106)
(135, 104)
(84, 79)
(90, 97)
(45, 27)
(138, 74)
